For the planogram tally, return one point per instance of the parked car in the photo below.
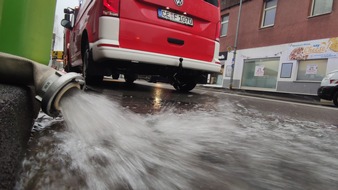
(328, 89)
(174, 39)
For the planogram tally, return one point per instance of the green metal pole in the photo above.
(26, 28)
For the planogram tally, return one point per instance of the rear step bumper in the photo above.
(109, 52)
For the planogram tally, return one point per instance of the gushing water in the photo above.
(105, 146)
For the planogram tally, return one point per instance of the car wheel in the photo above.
(335, 98)
(87, 61)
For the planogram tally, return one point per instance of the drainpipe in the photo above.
(50, 84)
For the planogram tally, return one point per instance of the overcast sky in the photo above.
(59, 15)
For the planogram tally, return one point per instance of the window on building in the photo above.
(321, 7)
(224, 23)
(311, 70)
(269, 13)
(260, 73)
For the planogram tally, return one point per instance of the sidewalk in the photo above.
(307, 99)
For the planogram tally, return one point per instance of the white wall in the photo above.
(281, 51)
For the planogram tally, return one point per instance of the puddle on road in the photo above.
(99, 145)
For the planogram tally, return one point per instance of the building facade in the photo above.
(278, 45)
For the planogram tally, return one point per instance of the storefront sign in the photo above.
(311, 69)
(259, 71)
(316, 49)
(223, 55)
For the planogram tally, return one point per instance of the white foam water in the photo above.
(117, 148)
(104, 146)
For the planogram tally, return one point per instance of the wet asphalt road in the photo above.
(205, 139)
(144, 97)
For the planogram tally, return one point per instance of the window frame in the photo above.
(248, 78)
(313, 9)
(224, 22)
(286, 70)
(321, 70)
(265, 9)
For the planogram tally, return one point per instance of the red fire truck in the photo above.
(175, 41)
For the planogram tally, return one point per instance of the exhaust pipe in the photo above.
(50, 85)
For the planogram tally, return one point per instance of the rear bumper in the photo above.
(109, 52)
(326, 92)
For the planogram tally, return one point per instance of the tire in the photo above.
(184, 86)
(335, 99)
(116, 76)
(87, 62)
(130, 78)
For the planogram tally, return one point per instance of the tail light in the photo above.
(218, 31)
(111, 7)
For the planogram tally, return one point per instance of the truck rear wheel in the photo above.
(130, 78)
(184, 86)
(89, 78)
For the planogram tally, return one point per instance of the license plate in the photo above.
(174, 17)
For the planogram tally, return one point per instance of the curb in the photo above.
(299, 98)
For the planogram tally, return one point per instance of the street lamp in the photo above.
(235, 45)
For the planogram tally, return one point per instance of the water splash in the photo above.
(121, 149)
(101, 145)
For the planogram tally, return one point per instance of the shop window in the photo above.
(286, 70)
(321, 7)
(311, 70)
(224, 23)
(269, 13)
(260, 73)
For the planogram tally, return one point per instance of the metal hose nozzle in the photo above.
(54, 88)
(50, 85)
